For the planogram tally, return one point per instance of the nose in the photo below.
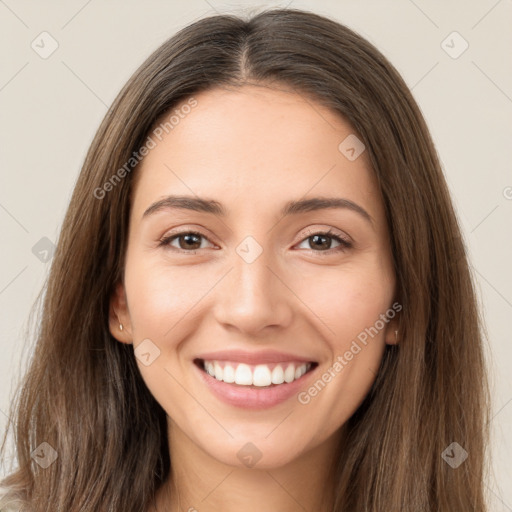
(254, 296)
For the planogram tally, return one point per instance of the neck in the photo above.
(200, 483)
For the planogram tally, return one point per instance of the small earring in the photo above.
(120, 327)
(396, 335)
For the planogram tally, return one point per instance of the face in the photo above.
(253, 278)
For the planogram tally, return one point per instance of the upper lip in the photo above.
(263, 357)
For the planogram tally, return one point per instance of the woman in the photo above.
(260, 298)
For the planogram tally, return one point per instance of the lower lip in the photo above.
(247, 397)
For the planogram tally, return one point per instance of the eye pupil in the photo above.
(191, 239)
(316, 238)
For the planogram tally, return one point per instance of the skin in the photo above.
(253, 149)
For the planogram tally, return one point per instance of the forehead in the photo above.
(254, 145)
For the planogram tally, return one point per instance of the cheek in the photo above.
(163, 301)
(350, 303)
(161, 297)
(347, 301)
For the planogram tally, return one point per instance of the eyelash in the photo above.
(344, 243)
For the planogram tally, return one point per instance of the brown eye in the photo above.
(188, 241)
(322, 242)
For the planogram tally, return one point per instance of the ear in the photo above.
(392, 335)
(119, 315)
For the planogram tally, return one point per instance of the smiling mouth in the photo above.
(255, 376)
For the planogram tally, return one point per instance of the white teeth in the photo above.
(278, 375)
(259, 375)
(218, 370)
(300, 371)
(243, 375)
(229, 374)
(289, 373)
(262, 376)
(210, 369)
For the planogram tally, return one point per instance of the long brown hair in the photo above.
(83, 393)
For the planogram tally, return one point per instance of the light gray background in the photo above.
(52, 107)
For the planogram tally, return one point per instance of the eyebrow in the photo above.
(290, 208)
